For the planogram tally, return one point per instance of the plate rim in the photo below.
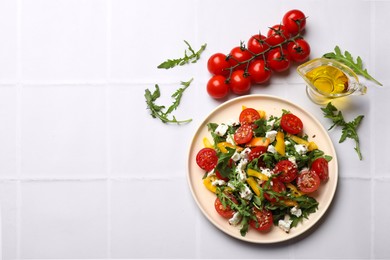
(204, 122)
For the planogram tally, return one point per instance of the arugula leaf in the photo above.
(349, 129)
(193, 58)
(157, 111)
(348, 60)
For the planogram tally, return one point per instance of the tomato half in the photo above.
(249, 116)
(308, 181)
(225, 212)
(243, 134)
(291, 124)
(256, 152)
(219, 176)
(217, 87)
(207, 159)
(257, 44)
(264, 220)
(258, 72)
(294, 21)
(277, 34)
(239, 83)
(321, 167)
(218, 65)
(299, 50)
(237, 54)
(277, 186)
(278, 60)
(287, 171)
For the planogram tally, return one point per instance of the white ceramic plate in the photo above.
(230, 110)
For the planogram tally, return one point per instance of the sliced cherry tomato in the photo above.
(299, 50)
(238, 54)
(287, 171)
(291, 124)
(218, 65)
(257, 44)
(294, 21)
(249, 116)
(217, 87)
(258, 72)
(239, 82)
(207, 159)
(219, 176)
(321, 167)
(264, 220)
(278, 60)
(308, 181)
(277, 34)
(243, 134)
(256, 152)
(277, 186)
(226, 212)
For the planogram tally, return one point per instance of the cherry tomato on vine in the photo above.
(278, 60)
(294, 21)
(277, 34)
(258, 72)
(218, 65)
(237, 54)
(239, 83)
(217, 87)
(264, 220)
(207, 159)
(257, 44)
(320, 166)
(308, 181)
(291, 124)
(299, 50)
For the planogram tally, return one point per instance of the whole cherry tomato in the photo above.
(218, 65)
(299, 50)
(277, 34)
(294, 21)
(258, 71)
(278, 59)
(239, 83)
(257, 44)
(217, 87)
(238, 54)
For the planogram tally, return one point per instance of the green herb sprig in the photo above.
(157, 111)
(349, 129)
(348, 60)
(192, 57)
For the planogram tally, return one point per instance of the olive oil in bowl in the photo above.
(328, 79)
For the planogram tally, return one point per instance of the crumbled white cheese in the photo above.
(271, 149)
(236, 156)
(301, 149)
(271, 123)
(240, 169)
(292, 159)
(285, 225)
(246, 193)
(231, 186)
(287, 143)
(296, 211)
(218, 183)
(230, 139)
(271, 135)
(235, 219)
(221, 129)
(245, 153)
(266, 171)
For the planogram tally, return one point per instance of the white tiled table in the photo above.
(85, 172)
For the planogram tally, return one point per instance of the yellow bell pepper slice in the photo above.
(290, 203)
(256, 174)
(253, 184)
(294, 191)
(222, 147)
(280, 146)
(208, 183)
(207, 143)
(310, 145)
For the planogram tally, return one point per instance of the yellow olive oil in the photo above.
(328, 79)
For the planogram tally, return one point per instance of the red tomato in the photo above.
(321, 167)
(237, 54)
(278, 60)
(257, 44)
(277, 34)
(291, 124)
(287, 171)
(294, 21)
(243, 134)
(218, 65)
(264, 220)
(219, 176)
(276, 186)
(207, 159)
(217, 87)
(308, 181)
(256, 152)
(299, 50)
(258, 72)
(225, 212)
(248, 116)
(239, 83)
